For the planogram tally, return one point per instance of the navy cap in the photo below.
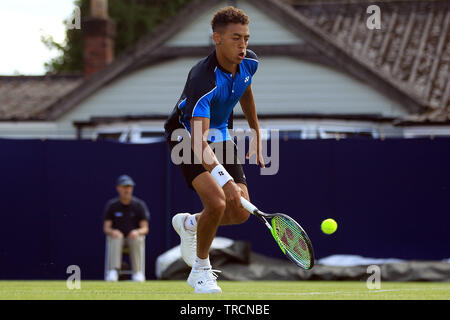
(125, 180)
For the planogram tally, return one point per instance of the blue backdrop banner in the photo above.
(390, 198)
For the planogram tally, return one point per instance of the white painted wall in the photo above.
(289, 85)
(263, 29)
(153, 90)
(281, 85)
(36, 130)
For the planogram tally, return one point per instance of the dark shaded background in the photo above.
(391, 198)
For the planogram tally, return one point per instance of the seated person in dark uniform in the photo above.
(125, 222)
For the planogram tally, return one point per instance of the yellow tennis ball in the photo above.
(328, 226)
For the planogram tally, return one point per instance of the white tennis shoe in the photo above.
(138, 277)
(112, 275)
(188, 238)
(204, 280)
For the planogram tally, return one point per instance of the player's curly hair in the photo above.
(228, 15)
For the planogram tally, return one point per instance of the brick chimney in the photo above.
(98, 38)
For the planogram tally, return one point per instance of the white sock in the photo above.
(190, 223)
(201, 263)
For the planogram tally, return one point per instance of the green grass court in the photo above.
(232, 290)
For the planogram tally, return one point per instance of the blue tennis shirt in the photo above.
(212, 92)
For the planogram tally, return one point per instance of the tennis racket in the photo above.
(291, 238)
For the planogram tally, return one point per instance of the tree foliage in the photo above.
(133, 18)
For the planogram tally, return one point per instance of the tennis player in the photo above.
(213, 88)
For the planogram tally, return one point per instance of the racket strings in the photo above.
(292, 239)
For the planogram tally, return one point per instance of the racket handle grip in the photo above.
(248, 206)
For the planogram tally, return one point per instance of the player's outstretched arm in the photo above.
(249, 108)
(202, 150)
(199, 143)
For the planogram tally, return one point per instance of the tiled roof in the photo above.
(26, 97)
(411, 53)
(412, 48)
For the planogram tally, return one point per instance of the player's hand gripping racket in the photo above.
(291, 238)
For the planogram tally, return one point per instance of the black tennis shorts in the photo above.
(192, 169)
